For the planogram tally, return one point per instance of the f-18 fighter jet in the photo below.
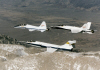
(41, 28)
(84, 29)
(52, 47)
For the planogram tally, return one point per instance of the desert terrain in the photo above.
(34, 12)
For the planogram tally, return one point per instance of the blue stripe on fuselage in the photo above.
(50, 47)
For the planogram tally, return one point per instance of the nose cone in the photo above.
(22, 27)
(30, 43)
(16, 26)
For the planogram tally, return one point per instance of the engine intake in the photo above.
(92, 31)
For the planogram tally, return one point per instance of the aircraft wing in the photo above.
(42, 30)
(31, 30)
(51, 50)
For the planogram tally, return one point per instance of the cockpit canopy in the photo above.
(21, 25)
(61, 25)
(31, 41)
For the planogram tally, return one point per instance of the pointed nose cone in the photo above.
(16, 26)
(20, 26)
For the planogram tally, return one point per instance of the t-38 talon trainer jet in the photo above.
(52, 47)
(84, 29)
(41, 28)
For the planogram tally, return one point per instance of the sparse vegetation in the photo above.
(4, 39)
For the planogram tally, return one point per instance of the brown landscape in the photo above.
(15, 55)
(14, 13)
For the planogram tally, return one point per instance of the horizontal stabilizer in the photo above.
(51, 50)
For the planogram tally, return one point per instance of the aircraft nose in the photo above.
(16, 26)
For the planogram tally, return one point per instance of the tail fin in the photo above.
(86, 26)
(72, 43)
(43, 26)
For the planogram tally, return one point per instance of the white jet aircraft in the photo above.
(84, 29)
(41, 28)
(52, 47)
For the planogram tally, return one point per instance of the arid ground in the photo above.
(11, 16)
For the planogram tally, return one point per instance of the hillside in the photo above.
(90, 5)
